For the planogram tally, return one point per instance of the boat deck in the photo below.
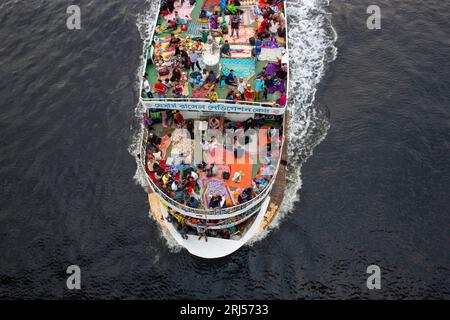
(195, 33)
(224, 172)
(210, 251)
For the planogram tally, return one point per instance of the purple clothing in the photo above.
(272, 70)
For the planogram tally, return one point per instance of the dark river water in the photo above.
(376, 190)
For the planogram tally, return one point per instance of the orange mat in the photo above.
(246, 181)
(244, 165)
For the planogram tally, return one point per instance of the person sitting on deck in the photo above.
(185, 87)
(242, 198)
(172, 25)
(263, 73)
(192, 202)
(230, 96)
(241, 86)
(282, 100)
(154, 140)
(213, 21)
(249, 93)
(160, 89)
(179, 196)
(212, 170)
(230, 80)
(216, 202)
(178, 90)
(176, 75)
(174, 185)
(167, 85)
(177, 18)
(258, 187)
(178, 118)
(225, 50)
(210, 81)
(213, 96)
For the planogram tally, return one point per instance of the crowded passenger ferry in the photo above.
(214, 87)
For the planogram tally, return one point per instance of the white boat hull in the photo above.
(215, 247)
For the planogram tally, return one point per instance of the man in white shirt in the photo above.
(241, 86)
(194, 60)
(147, 88)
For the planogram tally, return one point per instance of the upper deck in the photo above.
(204, 53)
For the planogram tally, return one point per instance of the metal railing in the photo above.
(206, 100)
(224, 225)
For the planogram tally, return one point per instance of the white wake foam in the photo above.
(145, 23)
(311, 48)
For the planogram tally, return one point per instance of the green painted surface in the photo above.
(152, 74)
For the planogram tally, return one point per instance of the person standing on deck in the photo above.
(235, 21)
(258, 47)
(259, 87)
(194, 60)
(225, 50)
(168, 86)
(241, 86)
(268, 83)
(147, 88)
(201, 232)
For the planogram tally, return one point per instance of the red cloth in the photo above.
(160, 87)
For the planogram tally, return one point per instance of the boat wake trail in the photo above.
(311, 48)
(145, 23)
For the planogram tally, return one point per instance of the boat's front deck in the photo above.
(234, 168)
(169, 55)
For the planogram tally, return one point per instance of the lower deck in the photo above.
(210, 243)
(232, 170)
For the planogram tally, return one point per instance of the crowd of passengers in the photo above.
(179, 180)
(183, 68)
(187, 226)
